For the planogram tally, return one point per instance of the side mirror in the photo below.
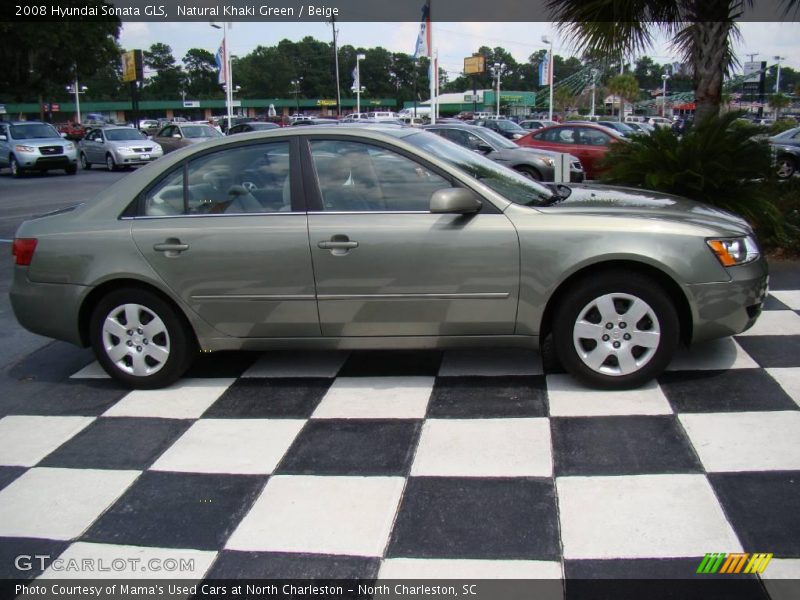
(177, 135)
(64, 135)
(459, 201)
(3, 137)
(484, 148)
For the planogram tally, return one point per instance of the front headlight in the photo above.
(69, 146)
(734, 251)
(124, 149)
(21, 148)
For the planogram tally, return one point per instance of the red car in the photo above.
(587, 141)
(74, 131)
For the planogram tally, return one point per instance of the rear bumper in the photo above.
(731, 307)
(48, 309)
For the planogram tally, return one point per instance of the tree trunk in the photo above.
(709, 55)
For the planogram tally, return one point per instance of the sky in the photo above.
(453, 40)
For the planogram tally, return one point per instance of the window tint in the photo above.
(247, 179)
(593, 137)
(361, 177)
(560, 135)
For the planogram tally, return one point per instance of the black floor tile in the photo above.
(293, 398)
(27, 558)
(178, 510)
(477, 518)
(87, 397)
(352, 447)
(221, 364)
(764, 509)
(734, 390)
(772, 303)
(486, 397)
(391, 363)
(771, 351)
(784, 274)
(624, 445)
(9, 474)
(118, 443)
(276, 565)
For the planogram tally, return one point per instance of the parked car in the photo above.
(588, 141)
(337, 237)
(117, 147)
(316, 121)
(72, 131)
(149, 126)
(532, 124)
(659, 122)
(624, 129)
(539, 165)
(180, 135)
(35, 146)
(640, 128)
(252, 126)
(786, 146)
(504, 127)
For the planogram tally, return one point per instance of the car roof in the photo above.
(26, 123)
(464, 126)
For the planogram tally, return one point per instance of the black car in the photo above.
(786, 147)
(531, 162)
(252, 126)
(504, 127)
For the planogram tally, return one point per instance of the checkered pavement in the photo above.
(412, 464)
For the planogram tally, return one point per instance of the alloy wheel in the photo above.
(136, 340)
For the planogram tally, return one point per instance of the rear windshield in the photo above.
(199, 131)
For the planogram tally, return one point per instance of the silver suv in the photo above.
(35, 146)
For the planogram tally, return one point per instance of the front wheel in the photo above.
(85, 162)
(786, 167)
(110, 164)
(616, 331)
(140, 339)
(530, 173)
(16, 170)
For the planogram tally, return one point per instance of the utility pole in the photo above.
(778, 77)
(336, 60)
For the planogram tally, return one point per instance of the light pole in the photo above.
(228, 75)
(594, 85)
(77, 90)
(359, 58)
(551, 75)
(296, 84)
(336, 60)
(497, 71)
(778, 77)
(664, 78)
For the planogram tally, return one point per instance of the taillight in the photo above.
(23, 249)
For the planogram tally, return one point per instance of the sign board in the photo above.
(132, 66)
(2, 109)
(475, 65)
(236, 102)
(751, 72)
(271, 111)
(191, 104)
(326, 102)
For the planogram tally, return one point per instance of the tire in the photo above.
(529, 172)
(787, 167)
(16, 170)
(71, 170)
(158, 350)
(85, 164)
(110, 164)
(597, 344)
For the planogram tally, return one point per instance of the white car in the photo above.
(659, 122)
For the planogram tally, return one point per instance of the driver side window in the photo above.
(250, 179)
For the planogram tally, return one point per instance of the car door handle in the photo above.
(337, 245)
(173, 246)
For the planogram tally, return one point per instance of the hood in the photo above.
(37, 142)
(527, 151)
(610, 200)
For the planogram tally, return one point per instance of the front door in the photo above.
(227, 235)
(386, 266)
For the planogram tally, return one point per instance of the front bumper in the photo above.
(48, 309)
(35, 161)
(731, 307)
(131, 158)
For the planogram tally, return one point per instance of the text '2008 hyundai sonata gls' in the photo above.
(380, 237)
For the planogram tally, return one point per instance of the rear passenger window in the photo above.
(244, 180)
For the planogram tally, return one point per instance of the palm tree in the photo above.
(626, 87)
(703, 30)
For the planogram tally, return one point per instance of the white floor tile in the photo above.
(91, 371)
(789, 380)
(484, 448)
(325, 515)
(187, 399)
(59, 504)
(642, 516)
(111, 561)
(24, 440)
(714, 355)
(782, 578)
(790, 298)
(297, 364)
(568, 398)
(745, 441)
(776, 322)
(376, 398)
(420, 568)
(491, 362)
(243, 446)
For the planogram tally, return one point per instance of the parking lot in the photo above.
(389, 464)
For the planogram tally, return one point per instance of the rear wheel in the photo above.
(786, 167)
(616, 331)
(85, 162)
(140, 339)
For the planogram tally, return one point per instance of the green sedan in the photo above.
(379, 237)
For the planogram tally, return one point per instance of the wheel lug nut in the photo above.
(130, 343)
(139, 331)
(622, 325)
(609, 326)
(627, 336)
(129, 332)
(146, 341)
(606, 338)
(616, 344)
(138, 348)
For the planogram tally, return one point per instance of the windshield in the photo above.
(117, 135)
(513, 186)
(495, 139)
(199, 131)
(33, 131)
(509, 126)
(788, 134)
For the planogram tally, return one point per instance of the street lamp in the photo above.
(549, 40)
(778, 78)
(497, 71)
(77, 90)
(296, 84)
(359, 58)
(594, 73)
(228, 75)
(664, 78)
